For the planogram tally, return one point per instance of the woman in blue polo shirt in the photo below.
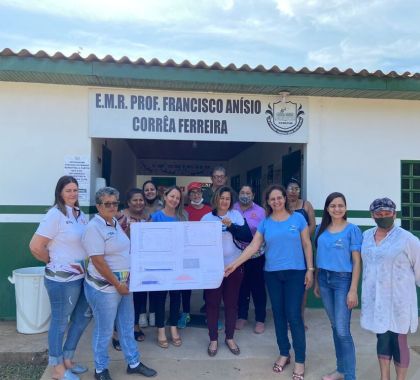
(287, 274)
(338, 245)
(172, 211)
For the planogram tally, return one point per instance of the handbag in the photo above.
(241, 235)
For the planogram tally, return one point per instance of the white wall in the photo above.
(356, 147)
(40, 124)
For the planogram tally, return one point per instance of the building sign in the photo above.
(79, 168)
(150, 114)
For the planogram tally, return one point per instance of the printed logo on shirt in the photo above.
(293, 228)
(109, 235)
(339, 243)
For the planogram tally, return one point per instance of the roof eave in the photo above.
(170, 77)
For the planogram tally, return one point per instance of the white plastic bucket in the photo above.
(33, 311)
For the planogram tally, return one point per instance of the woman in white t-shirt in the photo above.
(229, 288)
(107, 286)
(58, 243)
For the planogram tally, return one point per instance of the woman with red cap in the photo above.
(196, 209)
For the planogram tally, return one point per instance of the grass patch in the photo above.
(19, 371)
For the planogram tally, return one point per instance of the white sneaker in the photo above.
(152, 322)
(143, 320)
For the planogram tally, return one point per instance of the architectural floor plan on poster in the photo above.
(181, 255)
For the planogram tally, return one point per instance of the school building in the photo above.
(121, 122)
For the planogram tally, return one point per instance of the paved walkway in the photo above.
(258, 352)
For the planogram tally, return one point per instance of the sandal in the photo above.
(162, 343)
(139, 335)
(235, 350)
(212, 352)
(116, 344)
(278, 368)
(298, 376)
(176, 341)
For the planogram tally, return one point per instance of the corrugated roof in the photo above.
(201, 77)
(203, 65)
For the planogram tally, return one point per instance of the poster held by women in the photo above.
(174, 256)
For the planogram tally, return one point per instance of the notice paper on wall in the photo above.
(79, 168)
(176, 255)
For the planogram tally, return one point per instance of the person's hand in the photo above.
(122, 289)
(316, 290)
(230, 269)
(309, 279)
(352, 299)
(226, 221)
(77, 267)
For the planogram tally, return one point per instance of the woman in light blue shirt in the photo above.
(288, 271)
(173, 211)
(338, 244)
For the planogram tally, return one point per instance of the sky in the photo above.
(368, 34)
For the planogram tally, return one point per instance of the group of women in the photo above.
(271, 249)
(86, 274)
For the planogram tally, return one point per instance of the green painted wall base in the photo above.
(14, 253)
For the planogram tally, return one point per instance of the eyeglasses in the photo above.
(110, 204)
(293, 189)
(219, 176)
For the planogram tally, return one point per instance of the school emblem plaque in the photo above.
(284, 117)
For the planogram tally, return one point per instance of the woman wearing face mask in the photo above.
(391, 271)
(172, 212)
(253, 282)
(338, 245)
(195, 210)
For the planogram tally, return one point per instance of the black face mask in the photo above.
(385, 223)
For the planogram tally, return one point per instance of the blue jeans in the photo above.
(109, 308)
(67, 299)
(286, 289)
(334, 287)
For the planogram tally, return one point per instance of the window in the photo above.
(410, 196)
